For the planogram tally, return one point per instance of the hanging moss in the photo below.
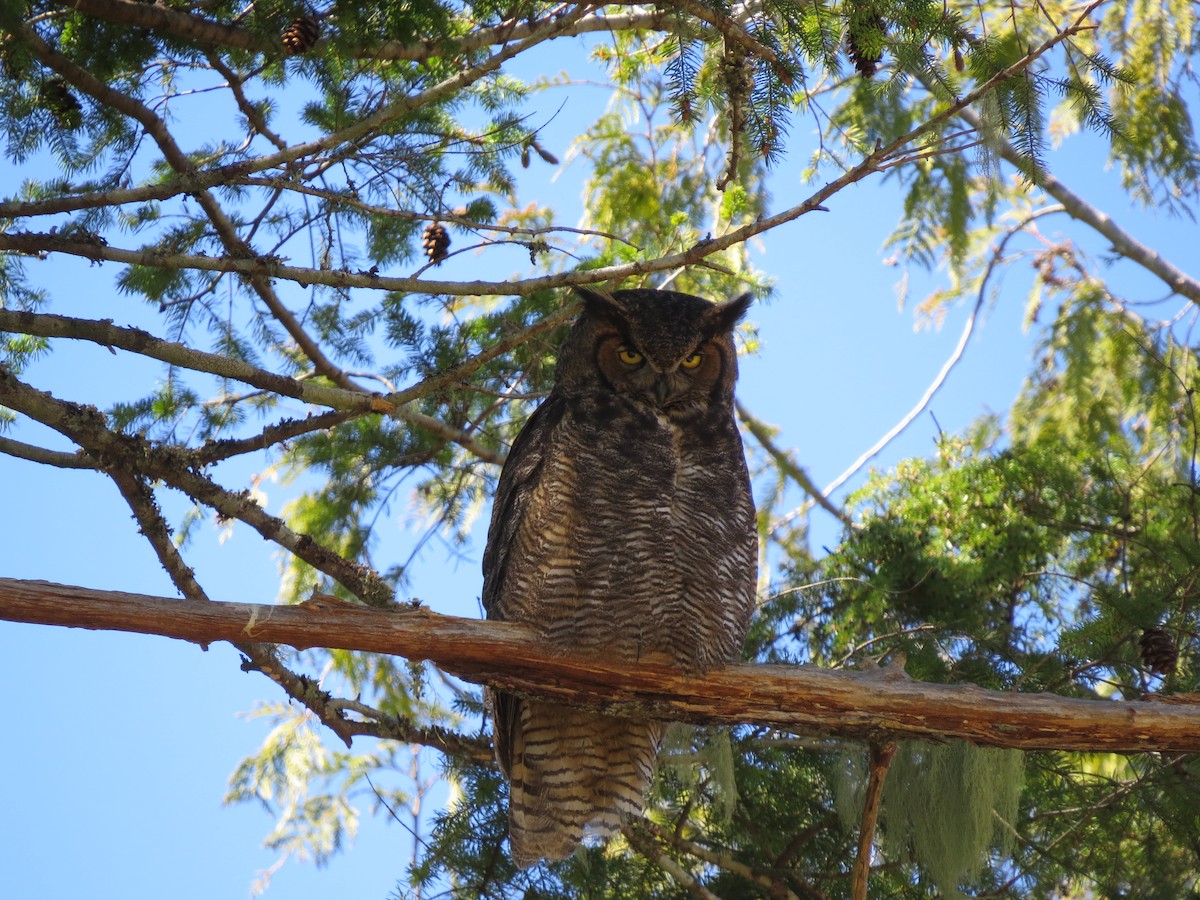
(849, 783)
(691, 753)
(944, 806)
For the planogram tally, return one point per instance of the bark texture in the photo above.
(880, 704)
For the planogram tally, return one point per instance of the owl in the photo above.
(623, 525)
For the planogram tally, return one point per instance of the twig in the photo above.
(645, 845)
(942, 376)
(720, 860)
(449, 433)
(398, 728)
(216, 450)
(936, 385)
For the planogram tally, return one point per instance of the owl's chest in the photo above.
(651, 477)
(637, 551)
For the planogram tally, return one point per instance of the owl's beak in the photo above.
(662, 390)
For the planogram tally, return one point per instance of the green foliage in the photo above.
(306, 787)
(1154, 42)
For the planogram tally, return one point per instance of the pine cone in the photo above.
(1159, 652)
(436, 242)
(866, 62)
(301, 35)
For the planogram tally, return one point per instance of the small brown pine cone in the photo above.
(1159, 652)
(435, 241)
(301, 35)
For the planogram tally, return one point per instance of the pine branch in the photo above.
(877, 704)
(155, 126)
(137, 341)
(263, 268)
(210, 33)
(133, 456)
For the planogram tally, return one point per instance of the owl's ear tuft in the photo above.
(724, 316)
(601, 302)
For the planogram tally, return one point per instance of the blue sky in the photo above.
(117, 748)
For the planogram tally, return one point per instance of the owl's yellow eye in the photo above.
(692, 361)
(629, 357)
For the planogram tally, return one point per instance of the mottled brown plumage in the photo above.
(623, 525)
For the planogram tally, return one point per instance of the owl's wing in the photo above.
(522, 471)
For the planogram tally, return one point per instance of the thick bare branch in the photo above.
(33, 453)
(876, 704)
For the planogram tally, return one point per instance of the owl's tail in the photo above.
(572, 772)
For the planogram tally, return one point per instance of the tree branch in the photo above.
(133, 455)
(645, 845)
(770, 887)
(135, 340)
(871, 705)
(260, 269)
(1122, 241)
(787, 465)
(155, 126)
(219, 34)
(881, 760)
(33, 453)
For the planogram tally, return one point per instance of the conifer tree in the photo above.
(312, 261)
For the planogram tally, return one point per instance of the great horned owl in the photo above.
(623, 524)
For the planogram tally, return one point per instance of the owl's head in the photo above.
(664, 350)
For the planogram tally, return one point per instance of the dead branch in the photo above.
(874, 705)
